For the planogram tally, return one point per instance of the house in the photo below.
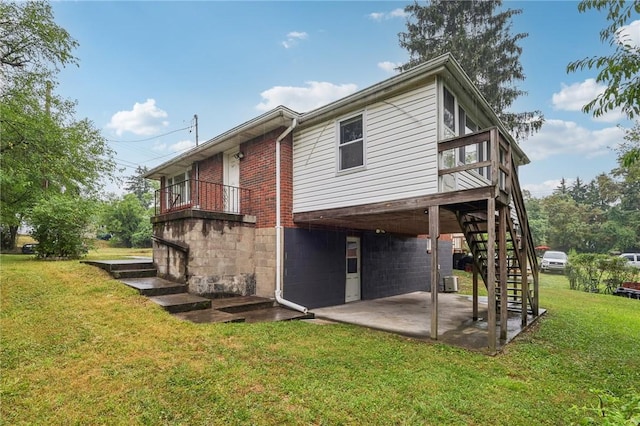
(334, 205)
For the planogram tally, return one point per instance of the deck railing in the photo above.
(202, 195)
(479, 159)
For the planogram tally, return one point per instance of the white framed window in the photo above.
(351, 143)
(178, 189)
(456, 122)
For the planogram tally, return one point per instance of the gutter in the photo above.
(278, 291)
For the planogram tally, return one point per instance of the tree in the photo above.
(480, 38)
(620, 70)
(538, 222)
(59, 225)
(571, 225)
(125, 217)
(578, 191)
(562, 188)
(142, 188)
(43, 148)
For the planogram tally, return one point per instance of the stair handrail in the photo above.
(181, 247)
(523, 219)
(173, 244)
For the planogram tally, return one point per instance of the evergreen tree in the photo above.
(562, 189)
(480, 38)
(142, 188)
(578, 191)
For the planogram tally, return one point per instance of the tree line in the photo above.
(599, 216)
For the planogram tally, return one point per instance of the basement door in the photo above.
(352, 288)
(232, 183)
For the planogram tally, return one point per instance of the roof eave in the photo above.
(262, 124)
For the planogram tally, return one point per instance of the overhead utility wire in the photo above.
(153, 137)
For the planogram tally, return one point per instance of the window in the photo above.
(178, 189)
(456, 122)
(449, 114)
(351, 143)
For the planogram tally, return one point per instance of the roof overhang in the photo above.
(444, 66)
(263, 124)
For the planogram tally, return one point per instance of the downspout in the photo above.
(278, 292)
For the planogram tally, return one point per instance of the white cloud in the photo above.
(388, 66)
(577, 95)
(630, 34)
(301, 99)
(382, 16)
(559, 137)
(182, 145)
(293, 38)
(144, 119)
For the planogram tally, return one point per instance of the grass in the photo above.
(81, 348)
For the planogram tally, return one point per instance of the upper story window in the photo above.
(456, 122)
(351, 143)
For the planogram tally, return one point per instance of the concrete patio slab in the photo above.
(410, 315)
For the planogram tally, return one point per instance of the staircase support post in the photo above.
(434, 234)
(502, 262)
(491, 273)
(524, 272)
(475, 288)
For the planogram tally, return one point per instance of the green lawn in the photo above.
(81, 348)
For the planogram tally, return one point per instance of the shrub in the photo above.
(59, 224)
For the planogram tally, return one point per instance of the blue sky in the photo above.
(147, 67)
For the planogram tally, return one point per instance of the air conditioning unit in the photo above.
(450, 284)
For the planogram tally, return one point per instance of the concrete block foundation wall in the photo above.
(221, 255)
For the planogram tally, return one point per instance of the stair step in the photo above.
(241, 303)
(154, 286)
(181, 302)
(270, 314)
(276, 313)
(134, 273)
(121, 264)
(204, 316)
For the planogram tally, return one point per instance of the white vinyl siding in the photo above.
(401, 155)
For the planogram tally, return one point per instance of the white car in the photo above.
(632, 258)
(554, 261)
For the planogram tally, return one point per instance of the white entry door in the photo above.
(232, 182)
(352, 290)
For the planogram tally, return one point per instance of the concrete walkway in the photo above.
(410, 315)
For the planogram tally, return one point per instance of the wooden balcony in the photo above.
(480, 159)
(205, 196)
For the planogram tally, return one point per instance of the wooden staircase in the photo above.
(513, 272)
(474, 226)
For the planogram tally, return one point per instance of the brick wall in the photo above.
(258, 173)
(211, 169)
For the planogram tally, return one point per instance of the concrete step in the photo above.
(241, 303)
(181, 302)
(206, 316)
(154, 286)
(121, 264)
(134, 273)
(270, 314)
(276, 313)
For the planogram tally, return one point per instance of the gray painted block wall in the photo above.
(315, 267)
